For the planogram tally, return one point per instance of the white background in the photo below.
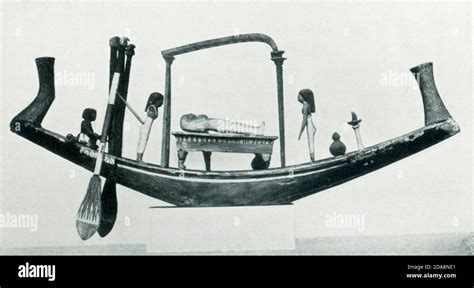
(343, 51)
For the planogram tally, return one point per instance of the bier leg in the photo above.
(140, 157)
(207, 160)
(266, 158)
(181, 158)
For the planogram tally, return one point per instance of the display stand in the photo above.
(208, 229)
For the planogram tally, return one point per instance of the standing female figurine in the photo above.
(306, 98)
(154, 102)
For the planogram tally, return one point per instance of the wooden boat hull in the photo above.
(271, 186)
(233, 188)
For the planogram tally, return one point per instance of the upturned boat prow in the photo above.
(33, 114)
(227, 188)
(434, 108)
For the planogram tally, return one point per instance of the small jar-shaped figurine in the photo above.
(337, 148)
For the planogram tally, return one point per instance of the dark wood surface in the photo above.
(116, 133)
(165, 141)
(234, 188)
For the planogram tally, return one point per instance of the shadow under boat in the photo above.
(233, 188)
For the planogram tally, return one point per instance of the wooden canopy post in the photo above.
(278, 59)
(165, 144)
(168, 55)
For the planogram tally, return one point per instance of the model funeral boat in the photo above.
(280, 185)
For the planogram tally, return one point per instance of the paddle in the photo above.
(108, 201)
(108, 198)
(89, 213)
(131, 109)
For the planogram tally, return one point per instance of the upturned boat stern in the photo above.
(434, 109)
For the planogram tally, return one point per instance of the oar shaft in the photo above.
(106, 124)
(110, 106)
(131, 109)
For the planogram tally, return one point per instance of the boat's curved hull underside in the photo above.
(271, 186)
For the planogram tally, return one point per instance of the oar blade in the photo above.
(88, 215)
(108, 200)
